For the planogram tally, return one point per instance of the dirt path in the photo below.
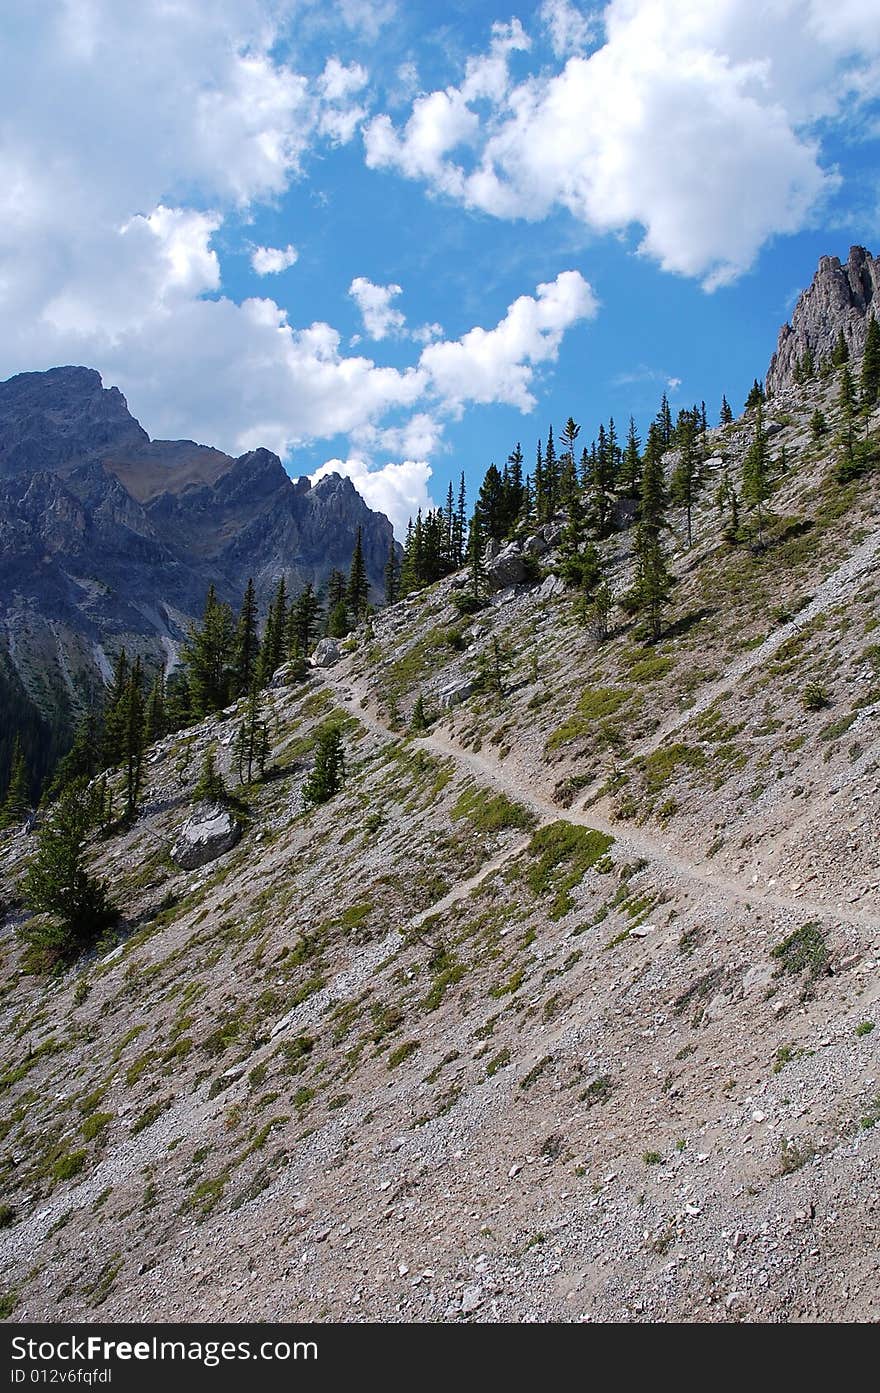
(631, 841)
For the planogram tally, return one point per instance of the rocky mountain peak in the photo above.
(841, 298)
(57, 419)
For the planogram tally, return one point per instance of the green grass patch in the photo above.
(492, 812)
(561, 855)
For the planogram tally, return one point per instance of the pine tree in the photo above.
(726, 416)
(756, 396)
(492, 505)
(304, 622)
(113, 740)
(685, 477)
(840, 353)
(460, 526)
(631, 466)
(328, 772)
(209, 656)
(551, 478)
(870, 375)
(419, 720)
(664, 422)
(358, 592)
(16, 803)
(155, 725)
(492, 668)
(73, 906)
(392, 570)
(727, 503)
(210, 786)
(818, 424)
(337, 620)
(251, 749)
(247, 642)
(83, 759)
(600, 611)
(514, 487)
(756, 474)
(653, 581)
(538, 486)
(477, 566)
(133, 749)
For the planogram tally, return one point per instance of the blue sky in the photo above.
(396, 238)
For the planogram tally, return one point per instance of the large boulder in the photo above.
(209, 832)
(455, 692)
(326, 653)
(535, 546)
(508, 568)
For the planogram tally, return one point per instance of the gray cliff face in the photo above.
(108, 538)
(841, 298)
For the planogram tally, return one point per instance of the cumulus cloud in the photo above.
(374, 302)
(498, 365)
(269, 261)
(695, 122)
(397, 490)
(131, 139)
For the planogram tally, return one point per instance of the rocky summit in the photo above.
(109, 539)
(535, 973)
(840, 301)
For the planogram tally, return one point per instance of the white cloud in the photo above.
(374, 302)
(497, 365)
(695, 122)
(567, 27)
(269, 261)
(177, 118)
(397, 490)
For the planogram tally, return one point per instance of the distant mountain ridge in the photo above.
(109, 538)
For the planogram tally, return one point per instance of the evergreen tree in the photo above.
(460, 534)
(155, 722)
(419, 720)
(726, 416)
(478, 583)
(631, 467)
(83, 759)
(133, 749)
(840, 353)
(551, 478)
(251, 749)
(599, 611)
(328, 771)
(16, 803)
(73, 906)
(492, 505)
(579, 565)
(247, 642)
(870, 376)
(600, 481)
(358, 592)
(818, 424)
(392, 570)
(514, 487)
(653, 581)
(755, 397)
(304, 622)
(664, 422)
(685, 476)
(210, 786)
(337, 620)
(539, 490)
(807, 364)
(756, 474)
(178, 700)
(113, 740)
(492, 668)
(855, 458)
(727, 503)
(209, 656)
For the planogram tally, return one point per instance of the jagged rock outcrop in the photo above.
(840, 298)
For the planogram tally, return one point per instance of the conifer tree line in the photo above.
(228, 656)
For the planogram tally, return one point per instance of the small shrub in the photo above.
(70, 1165)
(864, 1028)
(815, 696)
